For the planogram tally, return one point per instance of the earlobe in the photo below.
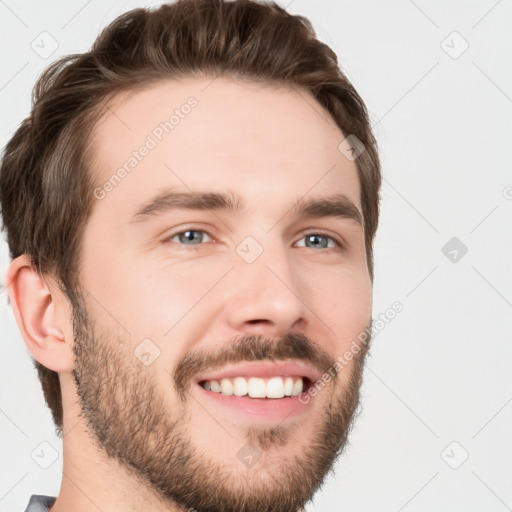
(34, 308)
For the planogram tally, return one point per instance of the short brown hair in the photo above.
(45, 187)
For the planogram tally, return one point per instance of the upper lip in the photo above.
(262, 369)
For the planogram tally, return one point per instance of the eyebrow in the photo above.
(337, 205)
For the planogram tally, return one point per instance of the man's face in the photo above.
(259, 301)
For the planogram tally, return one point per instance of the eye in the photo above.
(194, 236)
(198, 236)
(319, 240)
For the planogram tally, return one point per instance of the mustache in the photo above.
(251, 348)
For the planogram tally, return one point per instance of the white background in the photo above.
(441, 370)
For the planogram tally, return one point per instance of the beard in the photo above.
(129, 418)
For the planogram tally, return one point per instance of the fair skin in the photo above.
(271, 147)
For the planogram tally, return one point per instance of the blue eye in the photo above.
(197, 236)
(318, 240)
(194, 236)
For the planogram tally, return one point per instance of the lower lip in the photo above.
(260, 408)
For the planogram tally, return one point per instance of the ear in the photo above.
(35, 309)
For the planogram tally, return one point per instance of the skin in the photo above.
(271, 146)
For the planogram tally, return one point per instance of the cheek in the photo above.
(145, 300)
(344, 304)
(174, 304)
(163, 300)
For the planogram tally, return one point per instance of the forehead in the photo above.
(204, 133)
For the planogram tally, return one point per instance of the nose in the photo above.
(265, 296)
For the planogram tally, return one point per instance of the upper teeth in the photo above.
(275, 387)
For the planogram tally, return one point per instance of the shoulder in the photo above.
(40, 503)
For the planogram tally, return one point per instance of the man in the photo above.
(190, 209)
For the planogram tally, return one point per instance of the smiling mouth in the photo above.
(277, 387)
(260, 391)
